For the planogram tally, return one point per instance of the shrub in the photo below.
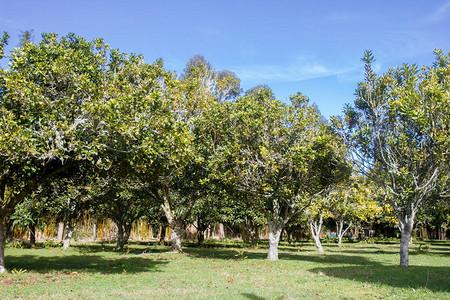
(18, 245)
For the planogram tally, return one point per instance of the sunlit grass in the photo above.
(227, 271)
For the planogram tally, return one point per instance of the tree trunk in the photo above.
(340, 232)
(221, 231)
(406, 227)
(289, 233)
(94, 231)
(120, 241)
(200, 237)
(69, 231)
(339, 240)
(162, 234)
(201, 227)
(245, 236)
(316, 227)
(254, 236)
(177, 233)
(274, 238)
(318, 243)
(60, 234)
(127, 232)
(2, 243)
(123, 234)
(175, 225)
(246, 232)
(32, 234)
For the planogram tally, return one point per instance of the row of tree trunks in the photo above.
(433, 233)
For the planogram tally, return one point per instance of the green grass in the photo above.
(227, 271)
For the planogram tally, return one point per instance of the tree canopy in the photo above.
(399, 125)
(87, 127)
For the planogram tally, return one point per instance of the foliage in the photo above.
(399, 126)
(84, 127)
(203, 83)
(18, 245)
(45, 118)
(277, 155)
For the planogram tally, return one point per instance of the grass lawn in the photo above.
(227, 271)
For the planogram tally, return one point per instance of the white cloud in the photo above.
(295, 72)
(440, 13)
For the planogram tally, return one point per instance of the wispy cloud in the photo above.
(209, 32)
(440, 13)
(290, 73)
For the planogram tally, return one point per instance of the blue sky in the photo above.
(309, 46)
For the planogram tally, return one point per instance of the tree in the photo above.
(67, 198)
(202, 81)
(44, 118)
(180, 184)
(399, 126)
(27, 215)
(435, 217)
(26, 36)
(271, 151)
(3, 44)
(314, 214)
(121, 198)
(238, 212)
(143, 138)
(353, 201)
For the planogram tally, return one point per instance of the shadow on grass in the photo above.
(412, 252)
(134, 248)
(260, 254)
(225, 254)
(83, 263)
(252, 296)
(432, 278)
(349, 266)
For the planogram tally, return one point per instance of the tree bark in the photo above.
(221, 231)
(406, 227)
(274, 238)
(175, 225)
(201, 227)
(32, 234)
(60, 234)
(316, 227)
(177, 233)
(2, 243)
(120, 242)
(200, 237)
(245, 235)
(162, 235)
(254, 236)
(123, 234)
(69, 231)
(318, 243)
(340, 232)
(94, 231)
